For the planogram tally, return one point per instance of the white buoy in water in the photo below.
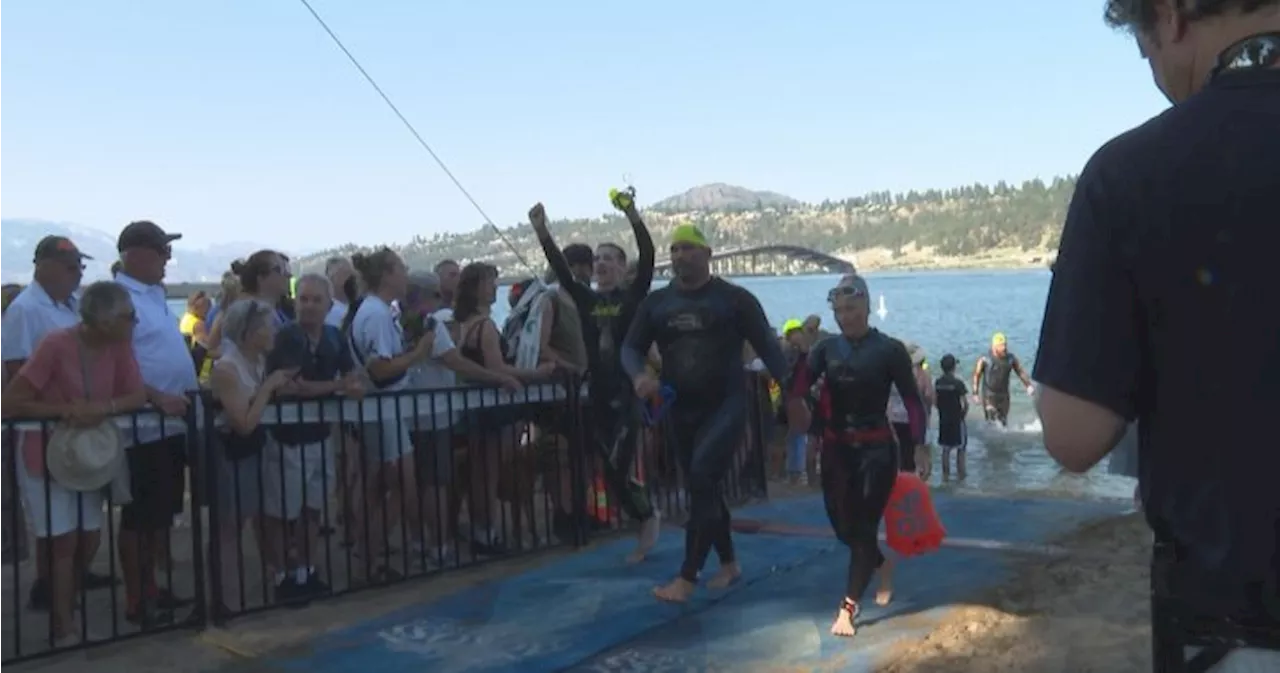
(882, 311)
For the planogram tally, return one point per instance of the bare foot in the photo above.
(843, 625)
(726, 576)
(648, 537)
(677, 590)
(884, 593)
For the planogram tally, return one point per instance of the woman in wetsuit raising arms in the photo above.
(606, 313)
(859, 451)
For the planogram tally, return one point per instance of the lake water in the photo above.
(953, 312)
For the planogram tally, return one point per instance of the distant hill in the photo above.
(188, 265)
(975, 225)
(721, 197)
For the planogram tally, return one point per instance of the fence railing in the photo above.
(331, 496)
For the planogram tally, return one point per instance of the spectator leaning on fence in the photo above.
(1168, 249)
(83, 375)
(157, 459)
(47, 304)
(299, 474)
(377, 342)
(239, 383)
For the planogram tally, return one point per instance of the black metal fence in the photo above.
(330, 497)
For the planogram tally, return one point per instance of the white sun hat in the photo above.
(85, 459)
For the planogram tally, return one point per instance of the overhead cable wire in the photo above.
(409, 125)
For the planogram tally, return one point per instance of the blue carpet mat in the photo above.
(591, 612)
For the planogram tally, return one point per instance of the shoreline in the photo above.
(1089, 611)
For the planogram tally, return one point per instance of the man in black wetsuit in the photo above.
(699, 323)
(991, 377)
(606, 313)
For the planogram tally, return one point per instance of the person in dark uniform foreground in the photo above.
(699, 323)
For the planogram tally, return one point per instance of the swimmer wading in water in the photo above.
(606, 313)
(991, 376)
(699, 323)
(855, 371)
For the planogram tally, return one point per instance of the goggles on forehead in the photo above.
(845, 291)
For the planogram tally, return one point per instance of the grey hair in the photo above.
(319, 279)
(1140, 15)
(103, 301)
(243, 316)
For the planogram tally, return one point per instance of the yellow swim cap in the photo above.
(997, 338)
(791, 326)
(690, 234)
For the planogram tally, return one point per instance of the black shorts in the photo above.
(952, 434)
(157, 482)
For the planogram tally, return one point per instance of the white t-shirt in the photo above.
(897, 411)
(32, 315)
(375, 333)
(336, 314)
(159, 347)
(433, 373)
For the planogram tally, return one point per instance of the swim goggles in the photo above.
(844, 291)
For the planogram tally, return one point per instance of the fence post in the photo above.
(196, 463)
(578, 459)
(210, 499)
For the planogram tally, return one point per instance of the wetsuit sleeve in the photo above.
(635, 347)
(755, 327)
(560, 267)
(904, 377)
(639, 288)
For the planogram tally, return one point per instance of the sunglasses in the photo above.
(845, 291)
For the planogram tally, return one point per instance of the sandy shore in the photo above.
(1087, 612)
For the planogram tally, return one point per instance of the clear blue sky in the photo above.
(239, 120)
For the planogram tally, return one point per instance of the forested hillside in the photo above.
(951, 224)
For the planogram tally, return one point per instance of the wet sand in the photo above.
(1086, 612)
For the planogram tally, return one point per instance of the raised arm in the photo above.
(810, 369)
(559, 265)
(639, 288)
(755, 327)
(639, 338)
(903, 374)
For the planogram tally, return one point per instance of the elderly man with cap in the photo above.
(49, 303)
(991, 377)
(699, 323)
(157, 462)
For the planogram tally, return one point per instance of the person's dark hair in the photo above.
(443, 263)
(578, 253)
(622, 254)
(466, 300)
(194, 298)
(258, 266)
(1140, 15)
(948, 363)
(371, 268)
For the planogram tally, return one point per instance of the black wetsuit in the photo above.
(995, 385)
(699, 334)
(615, 412)
(859, 449)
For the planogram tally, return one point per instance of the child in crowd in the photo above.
(953, 404)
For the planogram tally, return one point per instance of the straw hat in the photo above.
(85, 459)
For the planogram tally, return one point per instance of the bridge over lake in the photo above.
(769, 260)
(759, 260)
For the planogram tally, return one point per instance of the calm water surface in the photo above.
(953, 312)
